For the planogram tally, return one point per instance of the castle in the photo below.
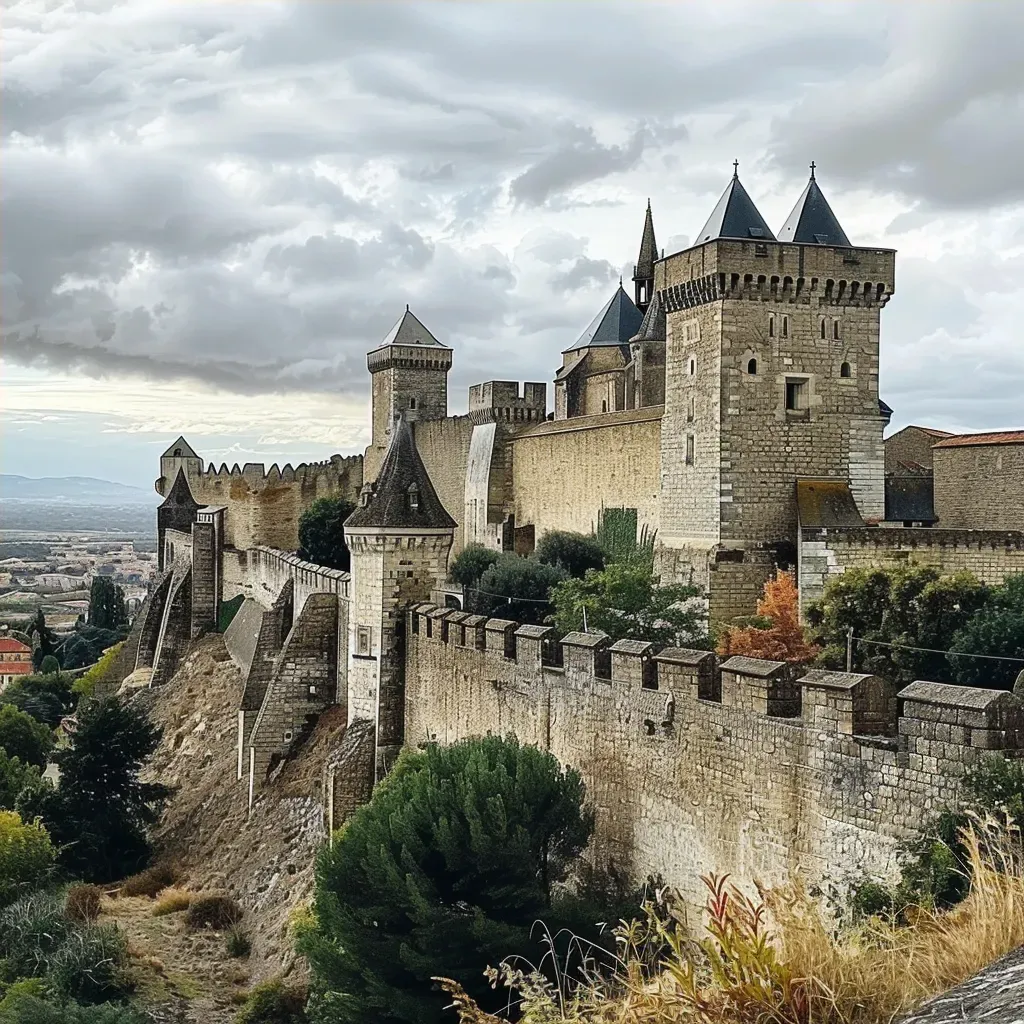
(730, 408)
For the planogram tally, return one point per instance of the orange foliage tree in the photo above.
(784, 639)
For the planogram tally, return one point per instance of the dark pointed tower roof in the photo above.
(648, 249)
(617, 322)
(180, 449)
(180, 495)
(403, 497)
(410, 331)
(653, 326)
(735, 216)
(812, 221)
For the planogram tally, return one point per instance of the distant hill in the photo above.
(78, 490)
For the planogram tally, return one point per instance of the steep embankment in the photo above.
(264, 860)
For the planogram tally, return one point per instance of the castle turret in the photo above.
(409, 374)
(178, 511)
(399, 537)
(812, 221)
(643, 272)
(180, 455)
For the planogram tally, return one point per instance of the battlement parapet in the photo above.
(909, 538)
(948, 724)
(509, 401)
(257, 476)
(268, 569)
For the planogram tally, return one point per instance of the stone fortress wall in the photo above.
(695, 766)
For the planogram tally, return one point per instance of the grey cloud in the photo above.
(584, 272)
(582, 160)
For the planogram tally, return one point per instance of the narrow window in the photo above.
(771, 325)
(363, 641)
(412, 403)
(823, 327)
(835, 329)
(752, 367)
(689, 411)
(604, 406)
(785, 326)
(844, 370)
(414, 496)
(693, 366)
(796, 395)
(689, 449)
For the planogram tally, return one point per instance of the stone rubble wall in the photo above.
(980, 487)
(686, 774)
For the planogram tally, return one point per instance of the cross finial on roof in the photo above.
(620, 280)
(812, 170)
(648, 202)
(735, 168)
(407, 307)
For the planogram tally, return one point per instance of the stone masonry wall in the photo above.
(303, 684)
(565, 471)
(990, 554)
(175, 625)
(684, 785)
(980, 487)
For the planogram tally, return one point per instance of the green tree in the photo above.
(45, 637)
(575, 553)
(626, 601)
(107, 608)
(50, 666)
(997, 628)
(100, 811)
(46, 698)
(468, 566)
(23, 737)
(444, 872)
(517, 588)
(322, 532)
(15, 776)
(26, 857)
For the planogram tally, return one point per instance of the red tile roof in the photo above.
(998, 437)
(932, 431)
(15, 668)
(12, 645)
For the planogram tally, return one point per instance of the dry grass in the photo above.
(150, 882)
(82, 903)
(212, 910)
(173, 901)
(797, 969)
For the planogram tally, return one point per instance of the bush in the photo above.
(14, 777)
(273, 1002)
(102, 672)
(91, 965)
(150, 882)
(26, 857)
(517, 588)
(470, 564)
(575, 553)
(173, 902)
(46, 698)
(30, 931)
(29, 1008)
(238, 943)
(82, 903)
(212, 910)
(21, 736)
(322, 532)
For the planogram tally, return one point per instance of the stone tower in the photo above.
(409, 378)
(643, 271)
(180, 455)
(178, 511)
(771, 375)
(399, 538)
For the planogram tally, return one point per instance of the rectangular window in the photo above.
(796, 395)
(363, 638)
(771, 325)
(785, 326)
(689, 449)
(689, 411)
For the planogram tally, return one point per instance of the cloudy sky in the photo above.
(211, 212)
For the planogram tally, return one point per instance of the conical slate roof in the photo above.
(409, 331)
(735, 216)
(812, 221)
(617, 322)
(653, 326)
(648, 249)
(403, 496)
(180, 494)
(180, 449)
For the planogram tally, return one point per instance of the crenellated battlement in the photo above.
(257, 476)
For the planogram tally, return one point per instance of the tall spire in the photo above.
(643, 272)
(735, 215)
(812, 221)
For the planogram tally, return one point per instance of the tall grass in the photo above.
(782, 959)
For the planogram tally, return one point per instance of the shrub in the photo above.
(517, 588)
(30, 931)
(238, 943)
(21, 736)
(273, 1002)
(173, 902)
(212, 910)
(26, 857)
(85, 685)
(82, 903)
(322, 532)
(573, 552)
(782, 638)
(14, 777)
(30, 1008)
(151, 881)
(91, 965)
(469, 565)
